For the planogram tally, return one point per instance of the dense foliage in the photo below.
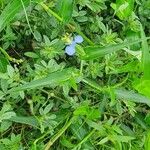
(74, 74)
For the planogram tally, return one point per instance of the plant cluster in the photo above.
(74, 75)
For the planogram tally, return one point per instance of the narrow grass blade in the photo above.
(145, 56)
(120, 93)
(65, 9)
(84, 140)
(126, 12)
(94, 52)
(52, 78)
(73, 28)
(60, 132)
(131, 96)
(9, 12)
(32, 121)
(3, 64)
(143, 85)
(147, 141)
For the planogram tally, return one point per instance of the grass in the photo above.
(96, 98)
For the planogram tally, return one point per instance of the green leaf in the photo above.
(48, 108)
(9, 12)
(131, 96)
(139, 118)
(145, 56)
(120, 93)
(94, 52)
(31, 55)
(143, 85)
(120, 138)
(3, 64)
(129, 67)
(53, 78)
(103, 141)
(123, 8)
(32, 121)
(127, 130)
(66, 9)
(147, 141)
(7, 115)
(85, 110)
(6, 112)
(65, 142)
(5, 124)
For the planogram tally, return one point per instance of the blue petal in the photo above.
(73, 43)
(70, 50)
(78, 39)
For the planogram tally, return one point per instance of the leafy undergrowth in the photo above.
(74, 75)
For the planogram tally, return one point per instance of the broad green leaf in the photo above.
(130, 67)
(145, 56)
(6, 112)
(139, 118)
(48, 108)
(147, 141)
(120, 93)
(143, 85)
(94, 52)
(32, 121)
(90, 112)
(131, 96)
(3, 64)
(127, 130)
(7, 115)
(53, 78)
(123, 8)
(132, 36)
(65, 142)
(5, 124)
(65, 9)
(120, 138)
(103, 141)
(9, 12)
(31, 54)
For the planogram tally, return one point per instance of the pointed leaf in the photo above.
(66, 9)
(3, 64)
(93, 52)
(32, 121)
(53, 78)
(145, 56)
(9, 12)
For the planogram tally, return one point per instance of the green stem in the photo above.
(40, 138)
(56, 136)
(9, 58)
(121, 83)
(5, 54)
(49, 11)
(81, 66)
(84, 36)
(94, 85)
(84, 140)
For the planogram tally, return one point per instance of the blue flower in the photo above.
(78, 39)
(70, 49)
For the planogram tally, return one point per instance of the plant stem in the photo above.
(84, 140)
(56, 136)
(6, 54)
(49, 11)
(94, 85)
